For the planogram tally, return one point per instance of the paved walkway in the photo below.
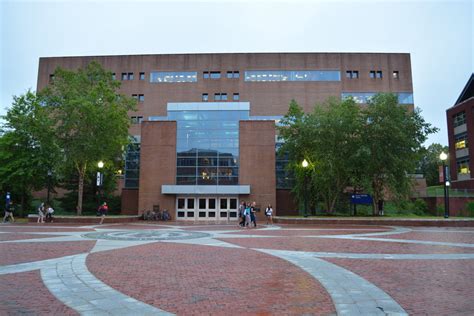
(153, 269)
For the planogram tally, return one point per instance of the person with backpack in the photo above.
(49, 214)
(242, 207)
(9, 209)
(253, 216)
(269, 214)
(103, 209)
(247, 213)
(41, 213)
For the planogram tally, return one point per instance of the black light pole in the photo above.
(50, 173)
(446, 184)
(100, 179)
(305, 165)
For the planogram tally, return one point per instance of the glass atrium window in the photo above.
(173, 77)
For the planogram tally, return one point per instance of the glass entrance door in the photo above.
(206, 208)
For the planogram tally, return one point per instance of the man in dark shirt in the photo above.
(9, 209)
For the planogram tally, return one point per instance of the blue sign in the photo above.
(361, 199)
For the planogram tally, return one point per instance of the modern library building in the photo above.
(205, 123)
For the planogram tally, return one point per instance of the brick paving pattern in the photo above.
(224, 269)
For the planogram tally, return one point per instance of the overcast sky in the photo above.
(437, 34)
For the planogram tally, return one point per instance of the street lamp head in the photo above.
(304, 163)
(100, 164)
(448, 183)
(443, 156)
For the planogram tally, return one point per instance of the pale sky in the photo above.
(437, 34)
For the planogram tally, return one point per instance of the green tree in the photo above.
(392, 141)
(27, 147)
(430, 162)
(328, 139)
(91, 118)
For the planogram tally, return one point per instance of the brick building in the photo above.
(205, 124)
(460, 119)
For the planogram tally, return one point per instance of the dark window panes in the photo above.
(207, 153)
(190, 203)
(228, 180)
(186, 171)
(202, 214)
(223, 214)
(130, 173)
(187, 153)
(142, 76)
(223, 204)
(206, 181)
(186, 162)
(131, 164)
(233, 204)
(131, 183)
(227, 162)
(207, 161)
(202, 204)
(180, 204)
(228, 172)
(186, 180)
(233, 214)
(212, 204)
(180, 214)
(190, 214)
(212, 214)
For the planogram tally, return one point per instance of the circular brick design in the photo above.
(146, 235)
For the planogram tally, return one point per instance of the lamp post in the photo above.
(100, 178)
(305, 164)
(50, 173)
(443, 156)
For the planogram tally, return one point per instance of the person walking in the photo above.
(9, 209)
(247, 213)
(242, 214)
(269, 214)
(103, 211)
(41, 213)
(49, 214)
(253, 216)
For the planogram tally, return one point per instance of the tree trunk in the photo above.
(80, 190)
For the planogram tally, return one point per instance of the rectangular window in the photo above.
(173, 77)
(141, 97)
(217, 96)
(292, 75)
(224, 96)
(205, 97)
(113, 76)
(135, 96)
(142, 76)
(236, 97)
(180, 204)
(205, 74)
(230, 74)
(372, 74)
(364, 97)
(124, 76)
(395, 74)
(190, 203)
(136, 119)
(51, 78)
(459, 119)
(215, 75)
(378, 74)
(130, 76)
(462, 165)
(202, 204)
(352, 74)
(460, 141)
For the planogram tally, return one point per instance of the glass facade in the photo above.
(364, 97)
(173, 76)
(284, 178)
(207, 146)
(292, 75)
(132, 165)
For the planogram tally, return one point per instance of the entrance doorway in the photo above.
(206, 208)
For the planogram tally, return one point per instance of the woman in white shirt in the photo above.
(269, 214)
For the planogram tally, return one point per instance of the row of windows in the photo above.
(364, 97)
(373, 74)
(459, 119)
(292, 75)
(126, 76)
(220, 97)
(217, 75)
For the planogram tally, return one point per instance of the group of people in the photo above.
(45, 211)
(247, 215)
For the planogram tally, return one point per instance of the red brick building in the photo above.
(205, 124)
(460, 119)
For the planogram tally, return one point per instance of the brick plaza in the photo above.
(155, 269)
